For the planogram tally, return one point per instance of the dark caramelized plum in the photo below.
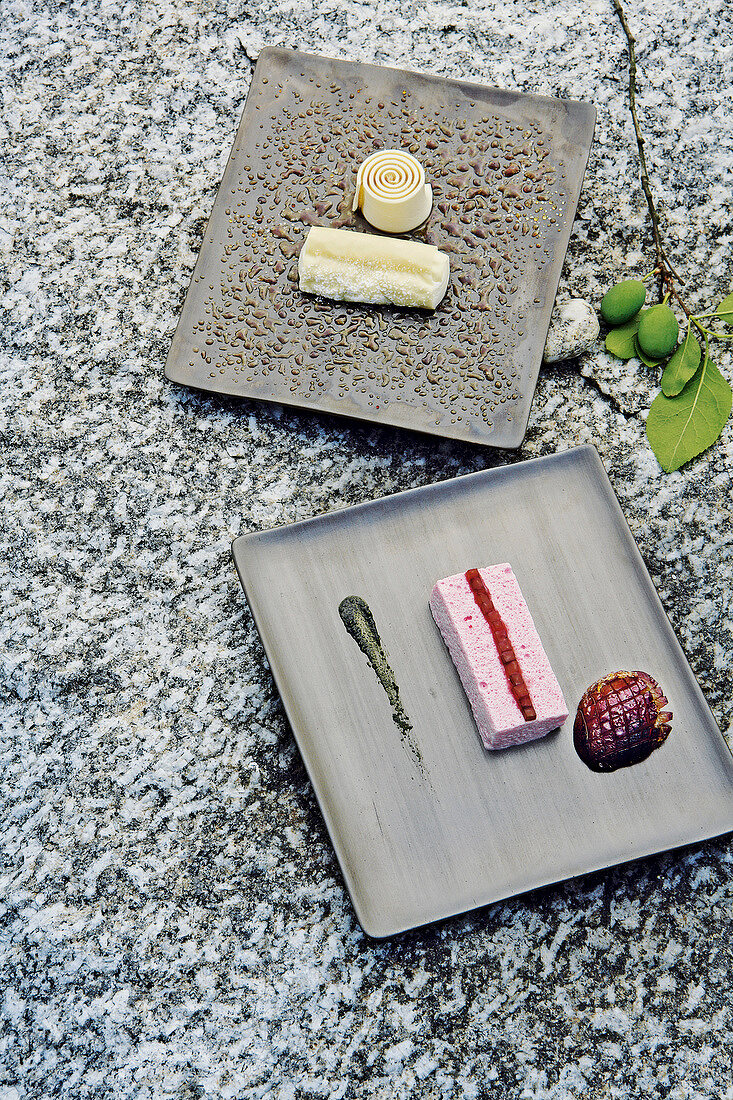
(621, 720)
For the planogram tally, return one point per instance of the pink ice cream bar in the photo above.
(489, 632)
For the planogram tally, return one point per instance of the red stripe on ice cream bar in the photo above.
(508, 657)
(477, 620)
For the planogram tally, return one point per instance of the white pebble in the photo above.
(573, 329)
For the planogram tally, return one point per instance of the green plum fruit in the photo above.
(658, 332)
(622, 302)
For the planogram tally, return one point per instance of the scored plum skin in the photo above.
(620, 721)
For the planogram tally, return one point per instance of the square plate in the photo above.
(418, 841)
(506, 171)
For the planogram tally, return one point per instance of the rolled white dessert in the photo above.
(392, 192)
(362, 267)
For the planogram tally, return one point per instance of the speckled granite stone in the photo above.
(173, 922)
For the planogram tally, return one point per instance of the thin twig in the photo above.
(666, 274)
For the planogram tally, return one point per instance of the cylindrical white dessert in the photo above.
(362, 267)
(391, 191)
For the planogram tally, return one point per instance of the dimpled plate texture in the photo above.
(506, 171)
(434, 824)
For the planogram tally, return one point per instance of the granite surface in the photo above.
(173, 919)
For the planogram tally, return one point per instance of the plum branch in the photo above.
(668, 278)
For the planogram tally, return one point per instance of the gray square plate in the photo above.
(420, 841)
(506, 171)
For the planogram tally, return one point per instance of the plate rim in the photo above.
(429, 487)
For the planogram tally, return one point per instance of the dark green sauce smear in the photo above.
(359, 622)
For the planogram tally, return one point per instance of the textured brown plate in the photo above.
(467, 827)
(506, 171)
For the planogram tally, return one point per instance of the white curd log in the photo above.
(362, 267)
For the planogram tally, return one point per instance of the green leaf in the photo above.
(621, 341)
(679, 428)
(682, 365)
(645, 358)
(725, 309)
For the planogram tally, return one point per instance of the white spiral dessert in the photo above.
(392, 192)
